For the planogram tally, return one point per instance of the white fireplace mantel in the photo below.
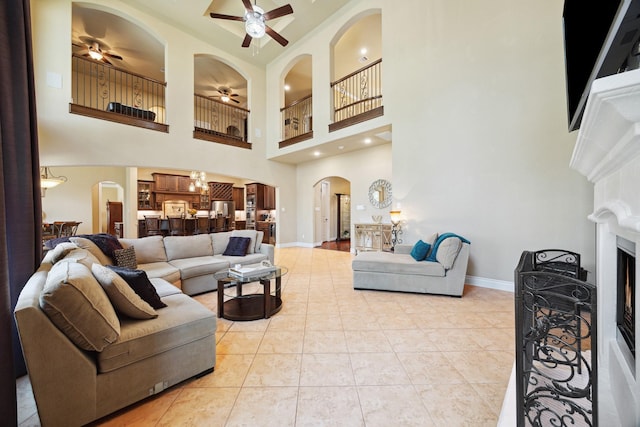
(607, 152)
(609, 135)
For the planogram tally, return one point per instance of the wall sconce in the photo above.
(396, 229)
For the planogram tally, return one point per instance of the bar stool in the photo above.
(202, 225)
(176, 226)
(152, 225)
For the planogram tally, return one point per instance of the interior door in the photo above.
(114, 214)
(325, 210)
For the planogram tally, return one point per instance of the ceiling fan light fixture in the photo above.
(254, 23)
(95, 54)
(225, 98)
(255, 28)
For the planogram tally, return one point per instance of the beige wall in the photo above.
(474, 93)
(476, 98)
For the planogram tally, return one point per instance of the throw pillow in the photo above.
(126, 258)
(252, 234)
(448, 251)
(420, 250)
(123, 298)
(440, 239)
(140, 283)
(87, 244)
(237, 246)
(76, 303)
(60, 251)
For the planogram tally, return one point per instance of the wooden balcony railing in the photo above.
(110, 93)
(297, 121)
(217, 121)
(357, 97)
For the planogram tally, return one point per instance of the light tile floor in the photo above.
(335, 356)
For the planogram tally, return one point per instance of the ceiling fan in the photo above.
(94, 51)
(226, 95)
(254, 21)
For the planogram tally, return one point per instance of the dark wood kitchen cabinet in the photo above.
(238, 198)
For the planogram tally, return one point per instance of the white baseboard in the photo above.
(483, 282)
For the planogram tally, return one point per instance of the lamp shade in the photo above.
(395, 216)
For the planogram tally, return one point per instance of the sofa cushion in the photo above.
(161, 270)
(163, 287)
(178, 247)
(76, 303)
(183, 321)
(200, 266)
(243, 260)
(387, 262)
(126, 257)
(420, 250)
(140, 283)
(148, 249)
(237, 246)
(123, 298)
(87, 244)
(448, 251)
(252, 234)
(220, 241)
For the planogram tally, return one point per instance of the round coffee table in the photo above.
(251, 306)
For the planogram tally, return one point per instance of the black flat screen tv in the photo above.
(599, 37)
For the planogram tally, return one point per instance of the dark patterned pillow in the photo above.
(126, 258)
(140, 283)
(237, 246)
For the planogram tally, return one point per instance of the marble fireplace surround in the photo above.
(607, 152)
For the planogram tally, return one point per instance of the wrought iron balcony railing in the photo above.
(358, 96)
(110, 93)
(218, 121)
(297, 121)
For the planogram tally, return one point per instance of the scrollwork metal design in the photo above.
(556, 345)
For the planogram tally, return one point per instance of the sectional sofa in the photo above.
(92, 345)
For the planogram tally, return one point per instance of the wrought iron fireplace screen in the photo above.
(555, 346)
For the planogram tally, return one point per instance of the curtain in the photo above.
(20, 205)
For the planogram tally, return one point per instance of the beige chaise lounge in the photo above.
(399, 271)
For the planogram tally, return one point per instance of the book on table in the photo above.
(248, 272)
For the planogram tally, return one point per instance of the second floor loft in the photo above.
(107, 92)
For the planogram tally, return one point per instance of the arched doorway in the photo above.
(332, 213)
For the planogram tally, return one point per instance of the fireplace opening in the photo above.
(626, 287)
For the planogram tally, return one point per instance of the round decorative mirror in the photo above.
(380, 193)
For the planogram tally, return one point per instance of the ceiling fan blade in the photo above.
(248, 5)
(106, 61)
(277, 37)
(112, 55)
(247, 40)
(234, 94)
(234, 100)
(230, 17)
(79, 45)
(278, 12)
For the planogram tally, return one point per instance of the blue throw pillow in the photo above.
(420, 250)
(237, 246)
